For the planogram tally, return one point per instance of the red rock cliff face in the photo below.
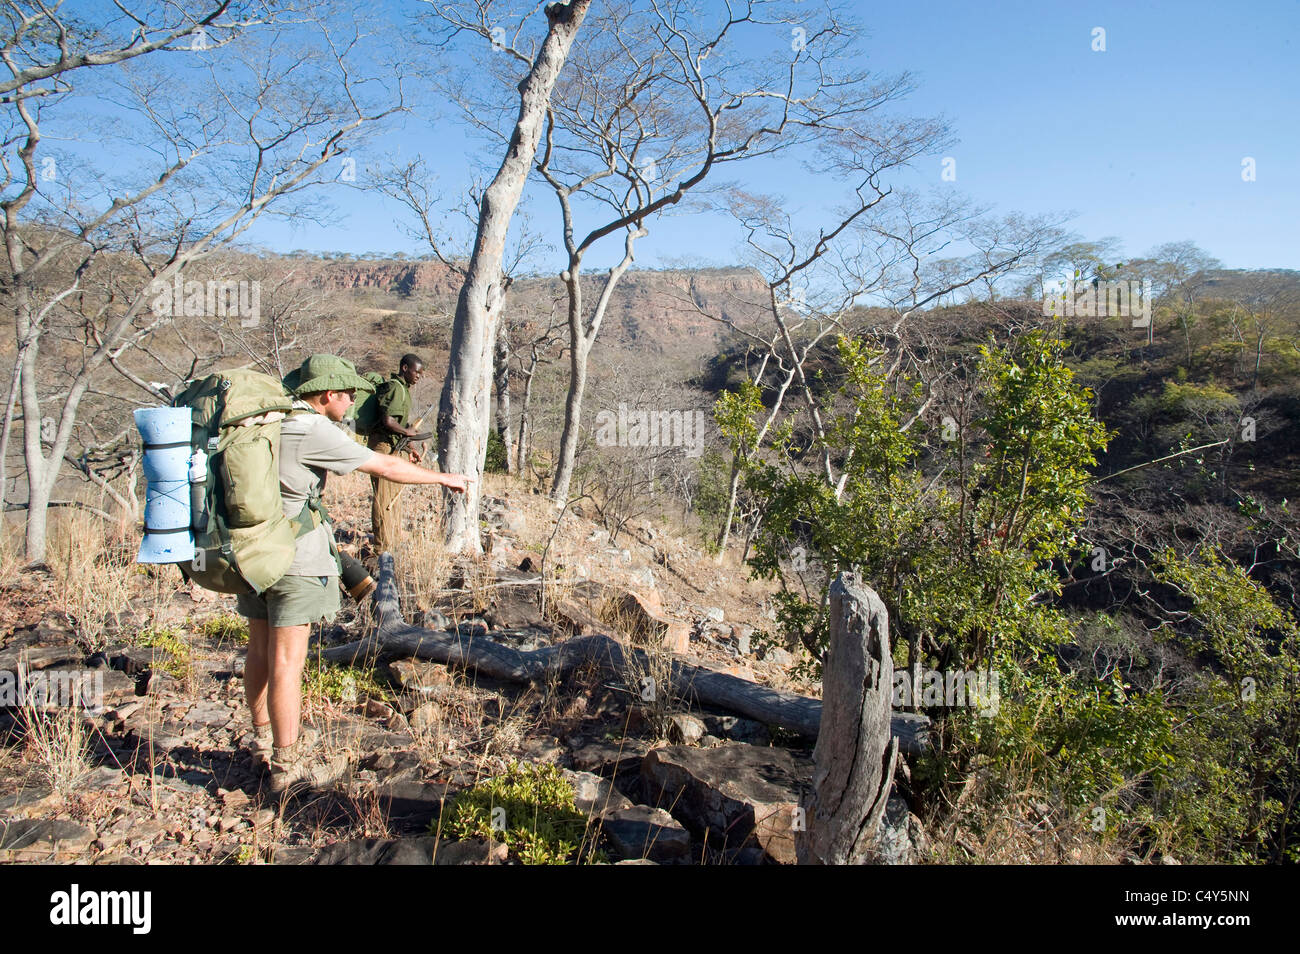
(656, 311)
(670, 312)
(403, 278)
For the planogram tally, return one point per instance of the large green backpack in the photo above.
(365, 412)
(244, 543)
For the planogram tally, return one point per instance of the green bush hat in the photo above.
(326, 372)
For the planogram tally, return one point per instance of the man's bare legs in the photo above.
(255, 670)
(286, 655)
(273, 677)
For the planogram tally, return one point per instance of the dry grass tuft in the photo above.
(12, 557)
(647, 672)
(423, 563)
(95, 571)
(1012, 821)
(57, 744)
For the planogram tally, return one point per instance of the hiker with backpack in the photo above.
(386, 420)
(280, 618)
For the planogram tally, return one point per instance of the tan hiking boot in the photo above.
(303, 765)
(260, 747)
(262, 743)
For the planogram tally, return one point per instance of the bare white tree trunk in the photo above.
(581, 338)
(7, 430)
(525, 422)
(503, 394)
(463, 412)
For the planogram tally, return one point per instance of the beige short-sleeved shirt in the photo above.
(311, 445)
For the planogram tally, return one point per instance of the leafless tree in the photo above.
(220, 121)
(881, 247)
(411, 185)
(667, 99)
(463, 412)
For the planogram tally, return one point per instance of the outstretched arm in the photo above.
(404, 472)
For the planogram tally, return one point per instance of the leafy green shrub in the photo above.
(169, 640)
(226, 628)
(713, 475)
(495, 462)
(529, 808)
(1240, 794)
(963, 566)
(323, 682)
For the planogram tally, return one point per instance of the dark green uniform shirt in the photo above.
(395, 400)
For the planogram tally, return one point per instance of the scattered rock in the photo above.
(123, 712)
(411, 851)
(715, 614)
(414, 802)
(425, 717)
(375, 709)
(643, 577)
(608, 758)
(685, 729)
(32, 839)
(595, 795)
(418, 676)
(643, 616)
(213, 715)
(645, 832)
(900, 840)
(31, 801)
(737, 793)
(233, 800)
(778, 656)
(738, 729)
(33, 658)
(577, 618)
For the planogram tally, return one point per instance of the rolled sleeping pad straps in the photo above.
(168, 536)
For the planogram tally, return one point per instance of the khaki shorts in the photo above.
(294, 601)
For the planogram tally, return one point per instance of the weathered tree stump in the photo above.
(855, 751)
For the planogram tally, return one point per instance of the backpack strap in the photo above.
(311, 516)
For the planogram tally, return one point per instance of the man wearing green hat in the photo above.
(280, 619)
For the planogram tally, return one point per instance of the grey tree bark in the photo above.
(463, 412)
(502, 379)
(854, 756)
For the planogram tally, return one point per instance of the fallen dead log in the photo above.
(394, 637)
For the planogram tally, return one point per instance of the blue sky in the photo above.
(1144, 140)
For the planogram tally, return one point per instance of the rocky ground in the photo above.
(169, 778)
